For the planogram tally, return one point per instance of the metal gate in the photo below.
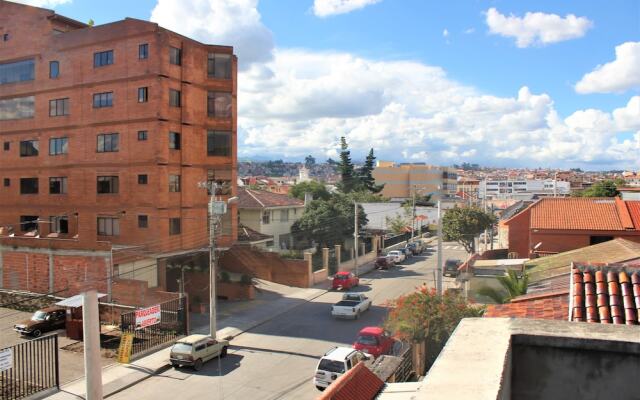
(172, 326)
(29, 368)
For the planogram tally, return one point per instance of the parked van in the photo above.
(195, 350)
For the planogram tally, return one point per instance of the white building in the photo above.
(521, 188)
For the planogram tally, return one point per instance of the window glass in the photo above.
(219, 66)
(219, 143)
(59, 224)
(54, 69)
(29, 148)
(174, 140)
(174, 98)
(142, 179)
(103, 100)
(17, 108)
(174, 227)
(7, 182)
(17, 71)
(28, 185)
(58, 146)
(108, 142)
(107, 184)
(175, 56)
(108, 226)
(174, 183)
(7, 146)
(219, 104)
(58, 107)
(143, 51)
(58, 185)
(143, 221)
(266, 217)
(142, 95)
(28, 223)
(142, 135)
(103, 58)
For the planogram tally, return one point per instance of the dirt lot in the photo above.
(71, 363)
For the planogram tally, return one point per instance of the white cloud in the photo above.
(445, 33)
(537, 28)
(223, 22)
(619, 75)
(43, 3)
(628, 118)
(326, 8)
(469, 31)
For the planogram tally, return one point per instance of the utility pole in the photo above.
(355, 236)
(211, 187)
(555, 182)
(439, 267)
(413, 213)
(91, 333)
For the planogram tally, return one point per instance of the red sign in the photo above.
(148, 316)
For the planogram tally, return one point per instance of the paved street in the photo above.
(277, 359)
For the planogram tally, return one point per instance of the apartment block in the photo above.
(522, 189)
(401, 180)
(105, 134)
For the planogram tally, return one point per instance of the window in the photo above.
(59, 224)
(7, 146)
(142, 135)
(219, 104)
(143, 51)
(29, 148)
(143, 179)
(28, 223)
(28, 185)
(266, 217)
(5, 37)
(219, 143)
(174, 183)
(143, 94)
(219, 66)
(103, 58)
(174, 98)
(7, 182)
(174, 226)
(58, 185)
(58, 107)
(58, 146)
(175, 56)
(103, 100)
(143, 221)
(174, 140)
(17, 71)
(284, 215)
(108, 142)
(17, 108)
(54, 69)
(108, 226)
(107, 184)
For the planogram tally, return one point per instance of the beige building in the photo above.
(400, 180)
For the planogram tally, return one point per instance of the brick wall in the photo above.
(519, 233)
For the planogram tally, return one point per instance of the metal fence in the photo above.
(31, 368)
(172, 326)
(390, 241)
(333, 261)
(316, 260)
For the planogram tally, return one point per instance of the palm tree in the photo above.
(512, 283)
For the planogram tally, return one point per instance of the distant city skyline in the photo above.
(523, 84)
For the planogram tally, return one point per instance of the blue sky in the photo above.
(449, 71)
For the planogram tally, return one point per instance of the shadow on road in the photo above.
(214, 367)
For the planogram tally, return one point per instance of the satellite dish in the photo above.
(537, 246)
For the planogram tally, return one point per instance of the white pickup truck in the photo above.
(351, 306)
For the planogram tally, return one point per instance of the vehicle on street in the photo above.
(344, 280)
(336, 362)
(416, 247)
(451, 267)
(375, 341)
(385, 262)
(397, 255)
(352, 305)
(408, 253)
(45, 320)
(195, 350)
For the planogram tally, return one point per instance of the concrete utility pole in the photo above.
(439, 288)
(355, 236)
(413, 213)
(212, 263)
(91, 333)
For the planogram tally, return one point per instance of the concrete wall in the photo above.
(519, 233)
(142, 270)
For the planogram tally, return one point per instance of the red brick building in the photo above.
(105, 133)
(555, 225)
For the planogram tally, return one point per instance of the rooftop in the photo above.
(260, 199)
(339, 353)
(553, 305)
(359, 383)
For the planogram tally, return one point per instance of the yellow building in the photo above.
(400, 180)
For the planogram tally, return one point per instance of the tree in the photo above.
(317, 190)
(364, 196)
(462, 224)
(328, 222)
(366, 174)
(346, 169)
(309, 161)
(397, 224)
(605, 188)
(513, 284)
(90, 22)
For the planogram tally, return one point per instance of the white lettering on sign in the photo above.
(6, 359)
(148, 316)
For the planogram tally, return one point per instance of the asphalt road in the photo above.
(277, 359)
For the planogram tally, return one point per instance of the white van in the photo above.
(336, 362)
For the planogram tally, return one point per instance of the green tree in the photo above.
(365, 196)
(346, 169)
(605, 188)
(317, 190)
(462, 224)
(513, 284)
(366, 174)
(328, 222)
(309, 161)
(90, 22)
(397, 224)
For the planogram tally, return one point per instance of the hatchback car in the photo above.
(195, 350)
(344, 280)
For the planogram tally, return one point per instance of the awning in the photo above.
(75, 301)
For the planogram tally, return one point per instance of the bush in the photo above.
(225, 277)
(246, 279)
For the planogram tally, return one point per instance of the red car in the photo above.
(345, 280)
(374, 340)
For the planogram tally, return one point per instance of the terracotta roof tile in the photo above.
(575, 213)
(259, 199)
(359, 383)
(634, 212)
(554, 306)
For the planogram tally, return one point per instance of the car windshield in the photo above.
(331, 366)
(39, 316)
(181, 348)
(368, 340)
(341, 277)
(451, 264)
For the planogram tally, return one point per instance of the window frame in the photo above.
(143, 51)
(6, 182)
(28, 220)
(108, 137)
(175, 98)
(103, 58)
(174, 183)
(266, 217)
(54, 73)
(175, 140)
(212, 110)
(58, 143)
(143, 179)
(211, 65)
(62, 182)
(112, 230)
(33, 151)
(215, 151)
(26, 71)
(175, 55)
(143, 136)
(172, 226)
(113, 182)
(143, 94)
(143, 221)
(23, 183)
(103, 99)
(55, 224)
(59, 107)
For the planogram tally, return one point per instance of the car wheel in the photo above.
(198, 364)
(224, 352)
(36, 334)
(320, 388)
